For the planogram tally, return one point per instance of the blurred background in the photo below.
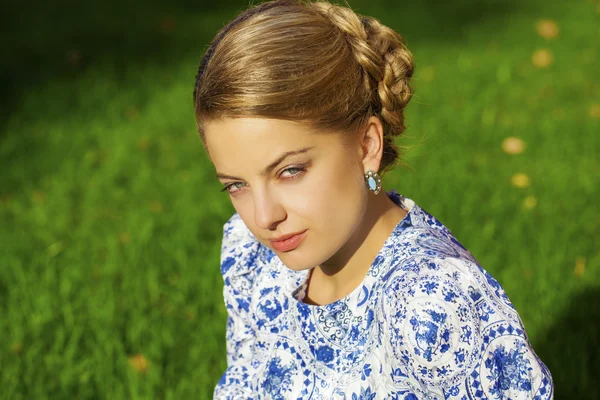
(111, 217)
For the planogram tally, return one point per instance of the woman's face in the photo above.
(285, 179)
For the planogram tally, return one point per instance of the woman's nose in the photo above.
(268, 210)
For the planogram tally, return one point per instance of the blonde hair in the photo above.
(307, 61)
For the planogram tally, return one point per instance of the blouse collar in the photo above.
(299, 279)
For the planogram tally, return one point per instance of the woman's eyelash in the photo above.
(294, 171)
(226, 188)
(299, 169)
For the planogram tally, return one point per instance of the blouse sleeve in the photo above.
(452, 329)
(238, 267)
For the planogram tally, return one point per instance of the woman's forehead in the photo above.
(239, 143)
(260, 135)
(235, 140)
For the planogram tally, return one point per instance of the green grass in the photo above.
(110, 216)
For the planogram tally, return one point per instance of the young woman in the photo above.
(334, 288)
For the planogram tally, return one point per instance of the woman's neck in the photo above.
(341, 274)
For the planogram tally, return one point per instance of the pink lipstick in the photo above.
(288, 242)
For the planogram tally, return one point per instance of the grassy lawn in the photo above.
(111, 218)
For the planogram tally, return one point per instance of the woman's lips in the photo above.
(290, 243)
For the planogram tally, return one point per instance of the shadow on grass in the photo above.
(571, 348)
(442, 20)
(59, 39)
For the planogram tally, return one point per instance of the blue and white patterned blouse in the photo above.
(427, 322)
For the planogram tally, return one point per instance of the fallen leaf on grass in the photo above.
(16, 348)
(529, 202)
(595, 111)
(547, 28)
(542, 58)
(579, 266)
(124, 237)
(520, 180)
(513, 145)
(139, 363)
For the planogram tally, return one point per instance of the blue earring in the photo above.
(373, 181)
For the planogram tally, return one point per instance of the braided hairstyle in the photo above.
(314, 62)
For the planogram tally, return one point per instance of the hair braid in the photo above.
(387, 64)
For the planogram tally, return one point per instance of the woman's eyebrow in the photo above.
(272, 165)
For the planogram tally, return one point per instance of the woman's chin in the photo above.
(295, 262)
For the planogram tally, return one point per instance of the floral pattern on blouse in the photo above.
(427, 322)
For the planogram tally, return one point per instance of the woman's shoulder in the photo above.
(454, 326)
(420, 231)
(427, 261)
(426, 253)
(451, 321)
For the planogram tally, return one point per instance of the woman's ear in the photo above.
(372, 144)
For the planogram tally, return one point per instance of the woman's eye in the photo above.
(291, 172)
(288, 173)
(233, 187)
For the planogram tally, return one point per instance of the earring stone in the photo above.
(373, 181)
